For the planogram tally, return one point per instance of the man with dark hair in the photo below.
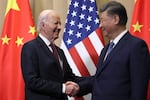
(122, 69)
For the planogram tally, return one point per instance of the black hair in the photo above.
(115, 8)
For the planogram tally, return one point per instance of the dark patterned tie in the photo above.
(54, 51)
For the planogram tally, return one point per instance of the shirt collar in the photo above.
(119, 37)
(46, 41)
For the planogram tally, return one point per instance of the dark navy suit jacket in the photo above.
(42, 74)
(124, 73)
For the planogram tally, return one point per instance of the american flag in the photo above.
(82, 40)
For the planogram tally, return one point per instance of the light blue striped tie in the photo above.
(111, 44)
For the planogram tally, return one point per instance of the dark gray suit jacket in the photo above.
(42, 74)
(124, 73)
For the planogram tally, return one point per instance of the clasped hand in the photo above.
(72, 88)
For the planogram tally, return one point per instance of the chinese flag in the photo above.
(140, 24)
(18, 28)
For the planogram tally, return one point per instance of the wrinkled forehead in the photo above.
(54, 17)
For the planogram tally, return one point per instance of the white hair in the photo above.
(42, 18)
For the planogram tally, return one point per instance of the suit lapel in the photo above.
(44, 47)
(102, 64)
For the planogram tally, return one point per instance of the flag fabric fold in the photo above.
(82, 40)
(140, 24)
(18, 28)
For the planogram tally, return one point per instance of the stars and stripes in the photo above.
(82, 35)
(81, 21)
(82, 41)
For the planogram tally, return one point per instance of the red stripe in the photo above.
(99, 33)
(90, 48)
(78, 61)
(78, 98)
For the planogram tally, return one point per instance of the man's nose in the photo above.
(59, 26)
(100, 25)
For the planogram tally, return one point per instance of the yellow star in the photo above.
(12, 4)
(5, 40)
(32, 30)
(19, 41)
(137, 27)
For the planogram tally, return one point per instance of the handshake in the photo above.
(72, 88)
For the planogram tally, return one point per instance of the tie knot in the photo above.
(53, 47)
(51, 44)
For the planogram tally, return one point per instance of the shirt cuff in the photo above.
(63, 88)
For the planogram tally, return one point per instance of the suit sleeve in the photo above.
(85, 84)
(139, 71)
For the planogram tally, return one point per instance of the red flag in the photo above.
(82, 41)
(18, 28)
(140, 24)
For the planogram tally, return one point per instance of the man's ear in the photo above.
(42, 24)
(116, 19)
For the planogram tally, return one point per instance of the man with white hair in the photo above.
(44, 67)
